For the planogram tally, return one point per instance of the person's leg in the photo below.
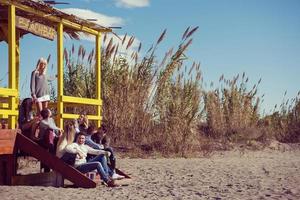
(112, 166)
(27, 125)
(45, 104)
(102, 159)
(90, 166)
(112, 159)
(39, 107)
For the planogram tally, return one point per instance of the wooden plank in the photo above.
(7, 169)
(60, 73)
(12, 63)
(40, 179)
(9, 112)
(35, 28)
(68, 172)
(2, 170)
(75, 116)
(8, 92)
(80, 100)
(98, 75)
(7, 141)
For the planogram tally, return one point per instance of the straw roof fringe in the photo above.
(49, 11)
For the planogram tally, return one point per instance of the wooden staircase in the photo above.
(11, 141)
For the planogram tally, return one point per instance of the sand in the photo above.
(267, 174)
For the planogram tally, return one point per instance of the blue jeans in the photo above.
(112, 159)
(102, 159)
(99, 163)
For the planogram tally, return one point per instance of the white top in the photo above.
(82, 150)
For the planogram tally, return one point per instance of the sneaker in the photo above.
(116, 176)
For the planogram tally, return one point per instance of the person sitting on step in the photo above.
(99, 139)
(26, 119)
(83, 165)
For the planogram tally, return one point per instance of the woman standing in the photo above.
(39, 85)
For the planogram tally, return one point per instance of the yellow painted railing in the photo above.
(68, 101)
(80, 100)
(5, 106)
(6, 92)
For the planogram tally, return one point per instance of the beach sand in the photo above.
(265, 174)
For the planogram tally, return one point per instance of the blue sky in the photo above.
(259, 37)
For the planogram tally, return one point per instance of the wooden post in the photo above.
(17, 60)
(17, 68)
(98, 75)
(60, 74)
(12, 62)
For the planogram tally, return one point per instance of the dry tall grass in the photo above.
(285, 123)
(162, 106)
(232, 110)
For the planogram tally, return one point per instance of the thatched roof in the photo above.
(49, 16)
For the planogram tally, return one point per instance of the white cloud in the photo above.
(132, 3)
(106, 21)
(102, 20)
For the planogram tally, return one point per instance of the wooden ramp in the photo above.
(11, 140)
(25, 144)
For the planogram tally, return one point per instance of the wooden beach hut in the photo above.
(18, 18)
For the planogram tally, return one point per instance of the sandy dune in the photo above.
(267, 174)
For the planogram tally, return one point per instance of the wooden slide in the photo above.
(12, 140)
(68, 172)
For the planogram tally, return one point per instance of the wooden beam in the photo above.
(75, 116)
(78, 27)
(7, 168)
(68, 172)
(17, 77)
(85, 101)
(60, 73)
(12, 62)
(8, 92)
(98, 75)
(40, 179)
(7, 141)
(9, 112)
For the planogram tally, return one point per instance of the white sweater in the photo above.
(83, 150)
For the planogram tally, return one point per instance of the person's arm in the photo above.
(95, 151)
(52, 124)
(73, 148)
(49, 124)
(32, 85)
(91, 143)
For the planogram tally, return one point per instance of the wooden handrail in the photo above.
(8, 92)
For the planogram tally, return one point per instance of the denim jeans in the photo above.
(102, 159)
(112, 159)
(90, 166)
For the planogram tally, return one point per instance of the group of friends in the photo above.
(80, 143)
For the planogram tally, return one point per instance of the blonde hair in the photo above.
(41, 60)
(66, 139)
